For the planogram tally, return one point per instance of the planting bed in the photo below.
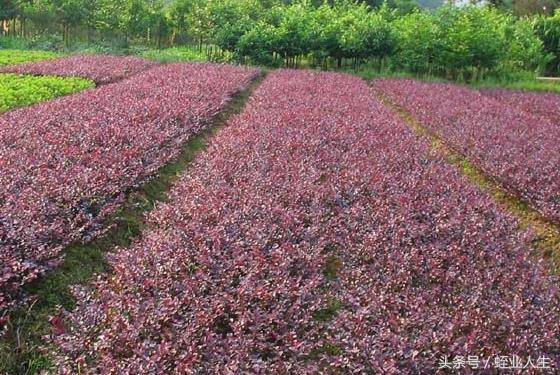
(13, 56)
(67, 163)
(315, 234)
(102, 69)
(19, 91)
(519, 150)
(543, 104)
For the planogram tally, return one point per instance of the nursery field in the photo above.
(66, 163)
(318, 231)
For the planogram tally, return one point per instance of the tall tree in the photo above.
(8, 11)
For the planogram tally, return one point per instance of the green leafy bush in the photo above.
(18, 90)
(12, 56)
(12, 42)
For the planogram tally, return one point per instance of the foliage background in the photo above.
(462, 40)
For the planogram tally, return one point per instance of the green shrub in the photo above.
(11, 42)
(18, 90)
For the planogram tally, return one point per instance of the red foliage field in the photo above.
(316, 232)
(101, 69)
(543, 104)
(519, 150)
(67, 163)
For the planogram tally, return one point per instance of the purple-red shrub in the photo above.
(542, 104)
(519, 150)
(316, 233)
(102, 69)
(67, 163)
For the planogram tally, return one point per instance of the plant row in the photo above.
(12, 56)
(316, 233)
(543, 104)
(517, 149)
(102, 69)
(19, 91)
(66, 164)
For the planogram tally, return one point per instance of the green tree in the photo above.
(293, 33)
(199, 20)
(525, 50)
(259, 44)
(418, 42)
(9, 9)
(232, 19)
(471, 40)
(365, 34)
(326, 35)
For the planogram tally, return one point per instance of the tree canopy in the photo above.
(457, 41)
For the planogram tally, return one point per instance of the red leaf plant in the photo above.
(316, 234)
(101, 69)
(543, 104)
(519, 150)
(67, 163)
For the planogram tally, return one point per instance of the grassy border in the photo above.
(547, 239)
(21, 347)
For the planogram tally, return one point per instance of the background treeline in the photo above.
(474, 40)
